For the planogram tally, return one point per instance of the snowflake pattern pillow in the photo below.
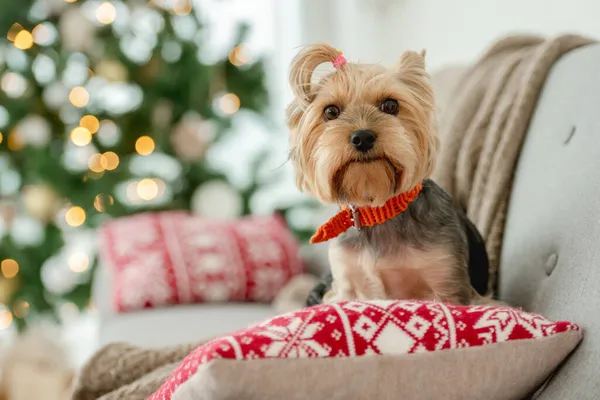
(159, 259)
(350, 330)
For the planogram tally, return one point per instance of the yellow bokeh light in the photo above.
(41, 34)
(15, 142)
(6, 319)
(182, 7)
(21, 308)
(10, 268)
(144, 145)
(90, 122)
(23, 40)
(147, 189)
(81, 136)
(230, 103)
(102, 200)
(112, 160)
(13, 31)
(70, 1)
(79, 97)
(97, 163)
(106, 13)
(75, 216)
(1, 137)
(78, 261)
(239, 56)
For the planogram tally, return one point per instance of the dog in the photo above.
(364, 137)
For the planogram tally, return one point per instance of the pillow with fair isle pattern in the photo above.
(378, 350)
(167, 258)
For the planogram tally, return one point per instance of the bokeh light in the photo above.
(21, 308)
(10, 268)
(13, 84)
(238, 56)
(81, 136)
(75, 216)
(106, 13)
(144, 145)
(6, 319)
(90, 122)
(1, 137)
(23, 40)
(41, 34)
(230, 103)
(147, 189)
(182, 7)
(13, 31)
(79, 97)
(112, 160)
(97, 163)
(101, 201)
(15, 142)
(78, 261)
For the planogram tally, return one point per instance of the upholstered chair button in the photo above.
(551, 263)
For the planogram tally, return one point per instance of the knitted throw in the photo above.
(483, 127)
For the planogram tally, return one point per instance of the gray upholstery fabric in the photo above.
(172, 325)
(550, 260)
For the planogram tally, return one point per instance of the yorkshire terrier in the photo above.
(364, 137)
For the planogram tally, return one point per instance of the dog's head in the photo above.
(363, 133)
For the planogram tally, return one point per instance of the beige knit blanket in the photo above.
(482, 129)
(483, 126)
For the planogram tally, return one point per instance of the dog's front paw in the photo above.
(338, 296)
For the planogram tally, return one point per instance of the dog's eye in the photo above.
(331, 112)
(390, 106)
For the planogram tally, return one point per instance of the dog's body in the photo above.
(362, 137)
(432, 221)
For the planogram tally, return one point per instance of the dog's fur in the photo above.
(422, 253)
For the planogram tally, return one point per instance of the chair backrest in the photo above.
(550, 262)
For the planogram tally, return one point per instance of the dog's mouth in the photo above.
(396, 176)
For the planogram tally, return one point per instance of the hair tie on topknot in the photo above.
(340, 60)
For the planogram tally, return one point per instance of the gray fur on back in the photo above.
(431, 220)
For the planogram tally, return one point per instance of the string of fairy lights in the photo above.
(138, 191)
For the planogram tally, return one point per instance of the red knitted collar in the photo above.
(365, 216)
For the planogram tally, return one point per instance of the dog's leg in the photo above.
(341, 263)
(373, 286)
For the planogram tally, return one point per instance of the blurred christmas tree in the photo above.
(106, 109)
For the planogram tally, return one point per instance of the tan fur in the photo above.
(412, 274)
(406, 147)
(328, 166)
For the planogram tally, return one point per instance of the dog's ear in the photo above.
(411, 71)
(303, 67)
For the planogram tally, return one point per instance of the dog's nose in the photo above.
(363, 140)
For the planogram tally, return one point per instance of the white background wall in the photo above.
(452, 31)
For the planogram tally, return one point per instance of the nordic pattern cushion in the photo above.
(161, 259)
(350, 331)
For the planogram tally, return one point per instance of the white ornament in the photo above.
(76, 30)
(218, 200)
(57, 277)
(34, 131)
(27, 231)
(55, 95)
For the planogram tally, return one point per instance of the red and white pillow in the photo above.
(159, 259)
(351, 330)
